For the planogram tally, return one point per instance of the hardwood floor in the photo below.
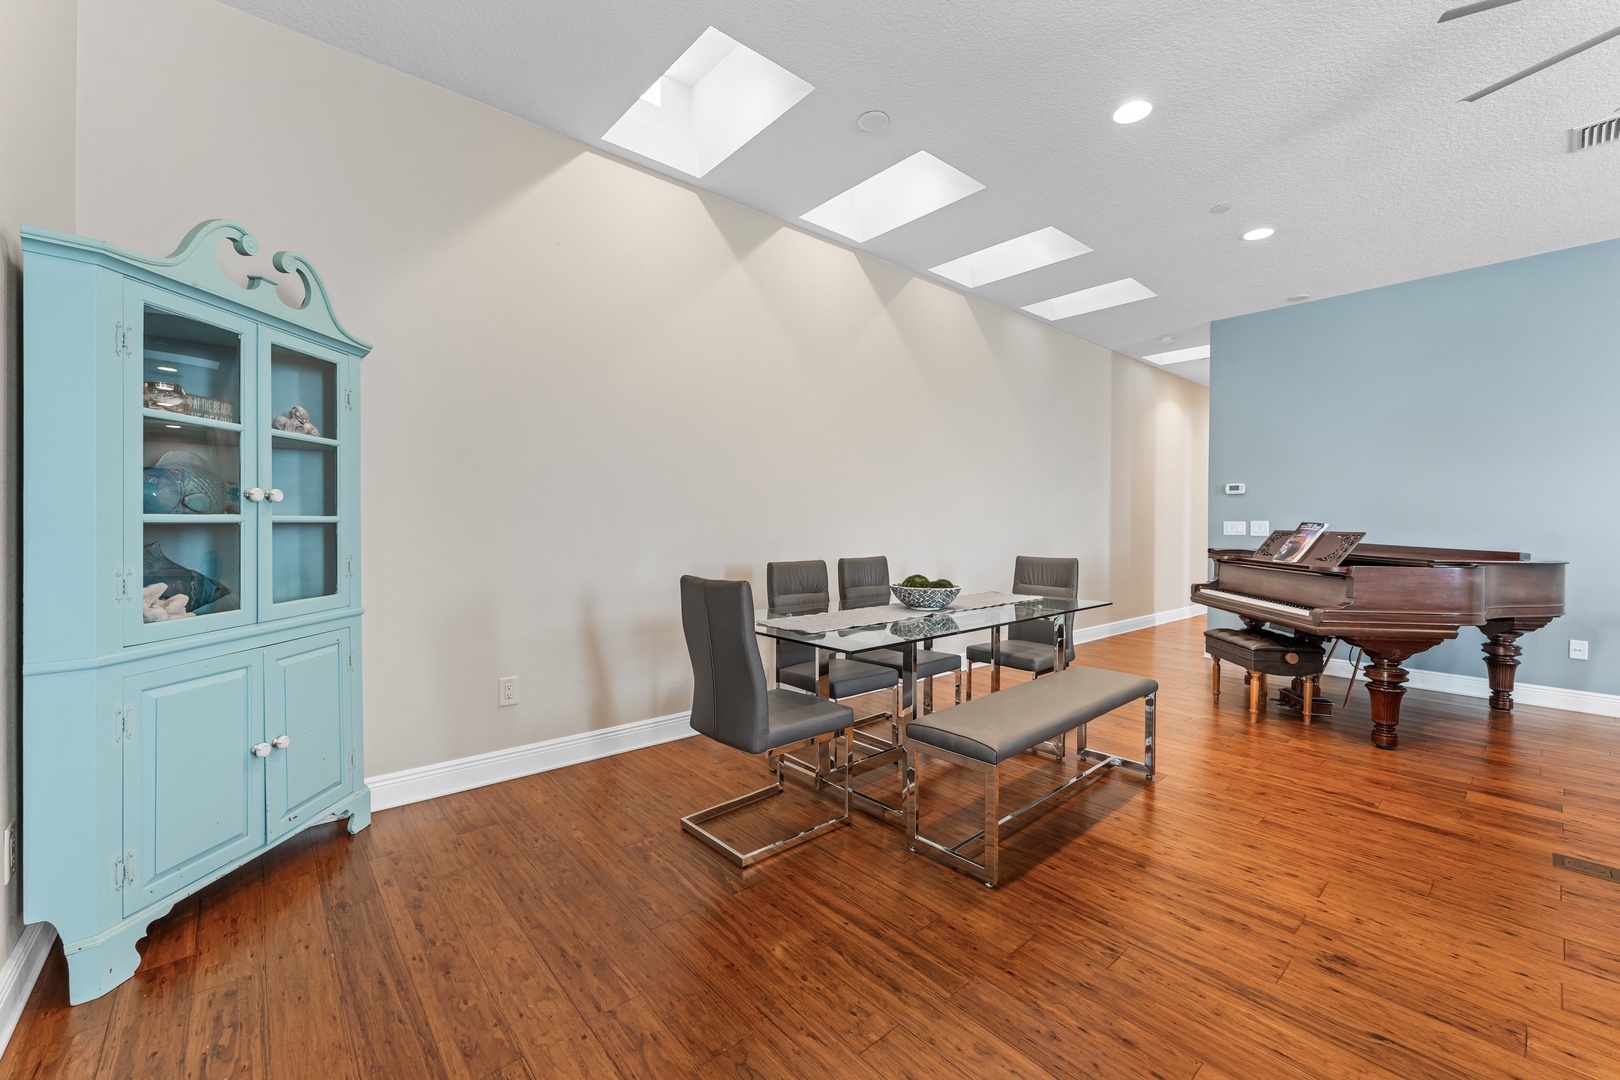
(1282, 902)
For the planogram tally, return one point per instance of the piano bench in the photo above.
(1261, 653)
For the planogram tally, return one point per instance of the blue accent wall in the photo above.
(1477, 409)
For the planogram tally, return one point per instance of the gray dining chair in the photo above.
(804, 584)
(731, 705)
(864, 582)
(1030, 646)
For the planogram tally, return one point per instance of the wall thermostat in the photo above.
(1234, 489)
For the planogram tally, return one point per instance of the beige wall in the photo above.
(590, 380)
(36, 188)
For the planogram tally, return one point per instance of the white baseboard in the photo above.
(448, 777)
(1478, 686)
(1083, 634)
(19, 974)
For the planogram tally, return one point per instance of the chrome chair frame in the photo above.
(780, 764)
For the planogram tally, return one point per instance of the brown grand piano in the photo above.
(1394, 602)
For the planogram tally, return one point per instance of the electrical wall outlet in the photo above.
(508, 691)
(1234, 528)
(1577, 649)
(9, 870)
(1259, 528)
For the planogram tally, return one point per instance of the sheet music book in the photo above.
(1295, 544)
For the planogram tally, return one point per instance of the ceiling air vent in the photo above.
(1594, 134)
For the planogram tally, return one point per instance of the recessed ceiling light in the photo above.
(1178, 356)
(1297, 297)
(1220, 208)
(1132, 111)
(712, 100)
(1258, 234)
(1113, 294)
(1167, 339)
(872, 120)
(903, 192)
(1043, 247)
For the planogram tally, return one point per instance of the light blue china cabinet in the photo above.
(191, 579)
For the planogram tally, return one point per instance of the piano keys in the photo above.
(1394, 602)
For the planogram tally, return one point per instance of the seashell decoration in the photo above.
(296, 421)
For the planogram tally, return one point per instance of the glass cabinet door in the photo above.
(304, 566)
(192, 386)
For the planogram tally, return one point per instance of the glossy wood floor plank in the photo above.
(1282, 902)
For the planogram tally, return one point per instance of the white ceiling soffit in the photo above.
(1341, 125)
(711, 101)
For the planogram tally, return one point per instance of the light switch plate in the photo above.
(1233, 528)
(1577, 649)
(1259, 528)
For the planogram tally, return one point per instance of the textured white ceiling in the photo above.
(1339, 124)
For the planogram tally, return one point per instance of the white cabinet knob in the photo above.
(261, 749)
(274, 495)
(281, 742)
(254, 494)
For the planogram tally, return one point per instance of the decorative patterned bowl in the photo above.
(924, 599)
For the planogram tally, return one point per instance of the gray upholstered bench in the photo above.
(982, 733)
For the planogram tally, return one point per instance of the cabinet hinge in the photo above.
(124, 871)
(121, 585)
(348, 661)
(129, 868)
(121, 723)
(351, 761)
(120, 339)
(348, 397)
(348, 566)
(118, 873)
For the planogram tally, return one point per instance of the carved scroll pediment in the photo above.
(195, 262)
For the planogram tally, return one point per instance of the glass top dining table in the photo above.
(908, 634)
(918, 627)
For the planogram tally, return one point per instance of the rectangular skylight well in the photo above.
(1113, 294)
(1043, 247)
(711, 101)
(903, 192)
(1178, 356)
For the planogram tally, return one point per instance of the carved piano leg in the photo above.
(1386, 683)
(1501, 657)
(1385, 688)
(1254, 695)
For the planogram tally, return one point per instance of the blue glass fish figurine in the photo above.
(183, 482)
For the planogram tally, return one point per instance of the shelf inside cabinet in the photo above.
(186, 420)
(304, 519)
(191, 519)
(318, 440)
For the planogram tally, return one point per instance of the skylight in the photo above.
(710, 102)
(903, 192)
(1178, 356)
(1113, 294)
(1043, 247)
